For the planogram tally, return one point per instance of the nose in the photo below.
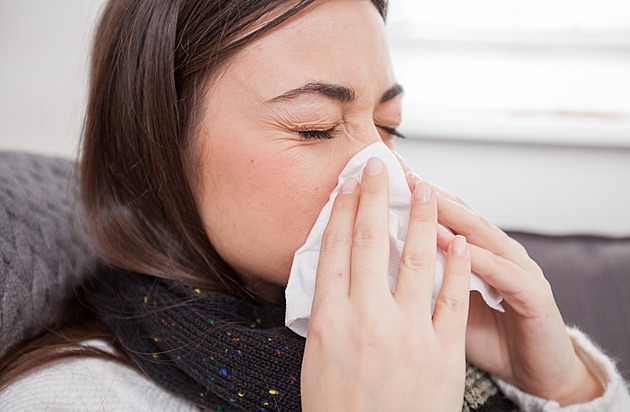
(358, 138)
(365, 136)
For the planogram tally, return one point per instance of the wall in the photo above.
(43, 72)
(536, 187)
(550, 189)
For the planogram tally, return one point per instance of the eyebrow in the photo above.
(392, 92)
(334, 91)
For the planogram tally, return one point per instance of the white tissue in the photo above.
(301, 286)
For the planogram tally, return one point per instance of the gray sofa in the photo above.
(44, 256)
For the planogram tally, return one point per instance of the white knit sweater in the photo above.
(90, 384)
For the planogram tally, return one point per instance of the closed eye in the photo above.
(329, 133)
(391, 131)
(317, 134)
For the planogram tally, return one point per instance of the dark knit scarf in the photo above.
(220, 352)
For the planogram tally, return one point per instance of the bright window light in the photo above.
(554, 71)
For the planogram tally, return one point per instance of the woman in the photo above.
(215, 133)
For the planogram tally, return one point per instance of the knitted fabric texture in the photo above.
(220, 352)
(42, 255)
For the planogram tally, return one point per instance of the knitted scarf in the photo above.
(220, 352)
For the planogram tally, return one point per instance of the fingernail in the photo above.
(422, 192)
(349, 186)
(412, 174)
(459, 245)
(374, 166)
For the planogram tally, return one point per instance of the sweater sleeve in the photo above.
(615, 398)
(88, 384)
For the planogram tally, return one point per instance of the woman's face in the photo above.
(281, 121)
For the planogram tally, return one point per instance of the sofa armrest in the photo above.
(590, 277)
(42, 255)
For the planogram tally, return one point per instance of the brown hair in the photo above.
(152, 62)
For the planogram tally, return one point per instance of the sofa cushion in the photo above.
(590, 277)
(41, 254)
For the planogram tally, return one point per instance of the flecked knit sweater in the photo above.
(216, 352)
(90, 384)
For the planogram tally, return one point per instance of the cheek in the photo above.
(261, 204)
(289, 189)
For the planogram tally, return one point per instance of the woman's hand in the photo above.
(369, 349)
(528, 345)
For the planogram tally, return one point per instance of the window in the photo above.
(542, 71)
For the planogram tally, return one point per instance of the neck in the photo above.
(265, 292)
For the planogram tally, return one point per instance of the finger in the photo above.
(370, 245)
(333, 270)
(412, 178)
(451, 308)
(480, 231)
(417, 266)
(454, 198)
(522, 289)
(444, 237)
(525, 291)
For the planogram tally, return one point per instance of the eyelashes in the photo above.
(317, 134)
(330, 133)
(391, 131)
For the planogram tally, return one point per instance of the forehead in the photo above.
(340, 42)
